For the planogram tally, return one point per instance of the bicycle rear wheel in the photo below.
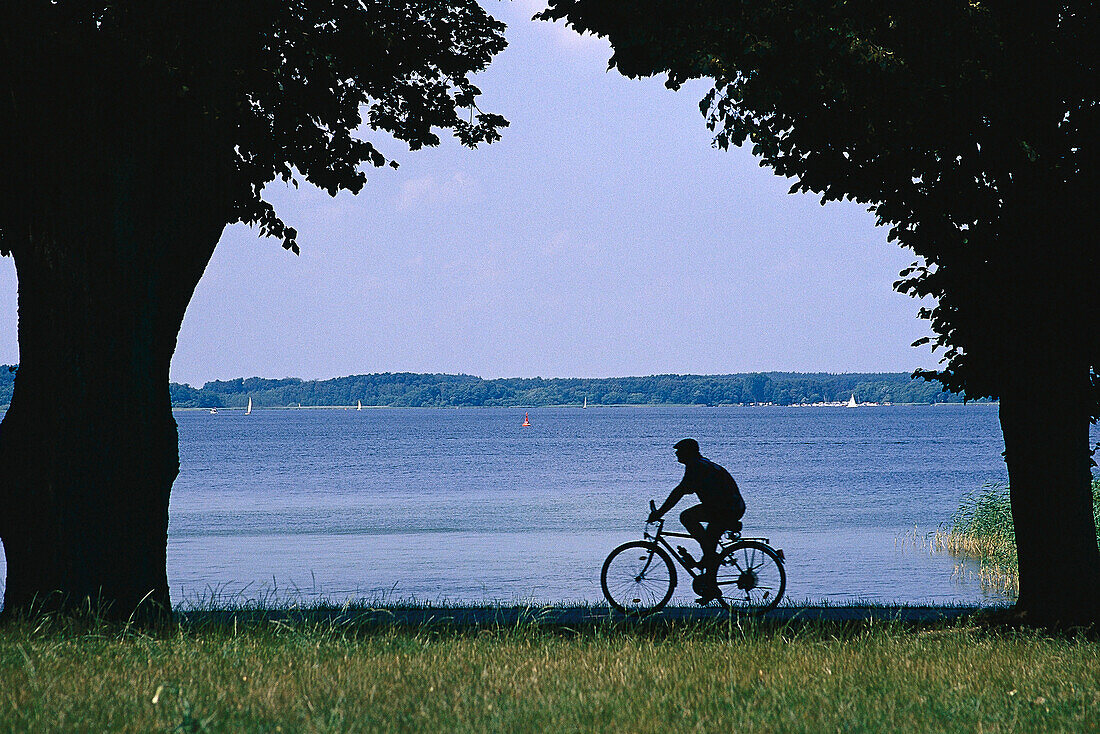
(751, 578)
(638, 578)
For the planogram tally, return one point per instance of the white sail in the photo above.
(585, 402)
(852, 401)
(359, 406)
(248, 410)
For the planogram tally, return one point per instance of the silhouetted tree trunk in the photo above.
(89, 446)
(1046, 292)
(1046, 431)
(132, 133)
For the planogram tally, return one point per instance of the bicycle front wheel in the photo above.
(638, 578)
(751, 578)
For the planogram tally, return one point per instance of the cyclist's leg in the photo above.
(707, 537)
(717, 525)
(714, 531)
(692, 519)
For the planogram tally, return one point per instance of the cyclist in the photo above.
(720, 507)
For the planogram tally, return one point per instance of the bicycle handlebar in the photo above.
(660, 522)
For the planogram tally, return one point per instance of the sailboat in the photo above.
(852, 401)
(359, 406)
(248, 410)
(585, 402)
(526, 422)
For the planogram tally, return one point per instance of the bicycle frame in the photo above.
(725, 540)
(748, 578)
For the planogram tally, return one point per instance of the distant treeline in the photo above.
(405, 389)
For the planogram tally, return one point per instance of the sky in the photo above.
(603, 236)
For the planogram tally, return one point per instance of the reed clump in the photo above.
(981, 528)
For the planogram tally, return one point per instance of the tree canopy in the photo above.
(958, 123)
(277, 90)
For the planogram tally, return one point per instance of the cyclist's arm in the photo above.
(677, 494)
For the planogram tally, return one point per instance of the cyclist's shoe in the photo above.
(707, 589)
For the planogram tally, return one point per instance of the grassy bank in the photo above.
(982, 529)
(754, 676)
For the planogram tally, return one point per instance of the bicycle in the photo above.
(638, 577)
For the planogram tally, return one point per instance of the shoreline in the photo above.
(578, 407)
(474, 617)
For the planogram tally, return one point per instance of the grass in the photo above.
(982, 529)
(748, 675)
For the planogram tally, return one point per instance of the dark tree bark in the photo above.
(131, 134)
(125, 188)
(1044, 294)
(1048, 455)
(89, 445)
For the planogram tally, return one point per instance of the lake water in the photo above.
(464, 505)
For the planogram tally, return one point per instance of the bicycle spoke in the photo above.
(750, 578)
(637, 578)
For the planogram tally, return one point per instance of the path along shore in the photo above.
(557, 616)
